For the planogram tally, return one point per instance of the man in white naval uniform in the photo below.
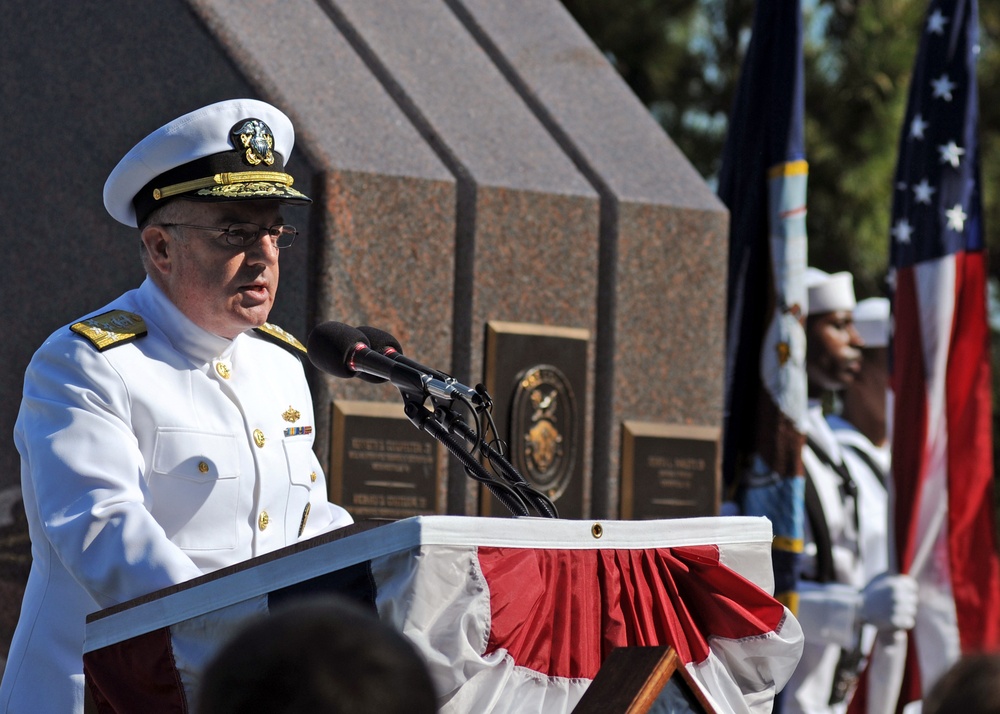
(861, 428)
(846, 596)
(169, 433)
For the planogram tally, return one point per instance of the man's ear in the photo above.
(160, 246)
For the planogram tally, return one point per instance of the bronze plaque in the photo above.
(537, 376)
(381, 466)
(669, 470)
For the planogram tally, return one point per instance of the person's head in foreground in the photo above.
(317, 656)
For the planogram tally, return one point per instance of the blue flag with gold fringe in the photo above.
(763, 183)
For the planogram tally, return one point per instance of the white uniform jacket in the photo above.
(829, 612)
(861, 455)
(146, 464)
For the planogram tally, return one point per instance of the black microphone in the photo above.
(363, 376)
(384, 343)
(343, 351)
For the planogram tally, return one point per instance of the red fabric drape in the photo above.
(561, 612)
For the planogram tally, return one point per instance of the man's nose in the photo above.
(856, 339)
(266, 248)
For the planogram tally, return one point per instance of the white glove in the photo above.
(890, 602)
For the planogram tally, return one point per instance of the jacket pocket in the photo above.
(194, 486)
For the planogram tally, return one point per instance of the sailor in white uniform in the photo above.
(861, 429)
(847, 595)
(169, 433)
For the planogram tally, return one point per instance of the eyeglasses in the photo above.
(244, 235)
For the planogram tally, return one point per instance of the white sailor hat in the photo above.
(829, 292)
(228, 151)
(871, 318)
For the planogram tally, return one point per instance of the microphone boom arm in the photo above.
(423, 419)
(541, 503)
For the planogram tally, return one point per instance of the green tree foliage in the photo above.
(857, 80)
(682, 59)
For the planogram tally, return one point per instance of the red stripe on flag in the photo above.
(561, 612)
(910, 415)
(975, 572)
(908, 442)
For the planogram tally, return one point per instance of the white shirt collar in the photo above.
(186, 337)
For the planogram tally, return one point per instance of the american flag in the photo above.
(763, 183)
(942, 444)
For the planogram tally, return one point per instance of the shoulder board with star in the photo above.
(110, 329)
(275, 334)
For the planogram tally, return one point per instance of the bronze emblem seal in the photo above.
(543, 428)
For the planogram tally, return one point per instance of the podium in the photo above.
(511, 615)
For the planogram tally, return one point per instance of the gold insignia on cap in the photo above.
(115, 327)
(255, 136)
(234, 182)
(292, 415)
(252, 190)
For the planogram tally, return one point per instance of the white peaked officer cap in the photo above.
(228, 151)
(829, 292)
(871, 318)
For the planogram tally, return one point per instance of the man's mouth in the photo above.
(255, 291)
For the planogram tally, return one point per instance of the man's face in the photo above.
(221, 288)
(833, 350)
